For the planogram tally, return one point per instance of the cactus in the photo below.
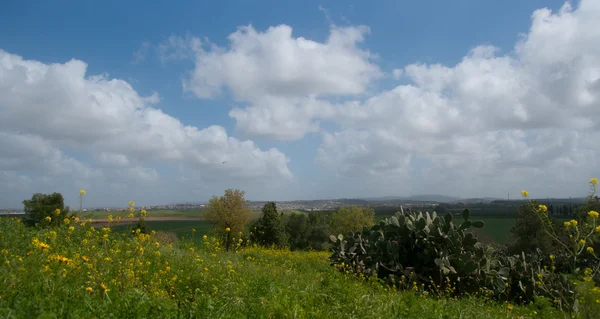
(438, 251)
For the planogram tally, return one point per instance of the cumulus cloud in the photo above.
(280, 76)
(522, 118)
(494, 122)
(48, 109)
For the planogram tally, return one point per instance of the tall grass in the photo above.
(77, 271)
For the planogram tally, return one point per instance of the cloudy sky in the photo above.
(163, 102)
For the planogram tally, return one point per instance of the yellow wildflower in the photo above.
(573, 222)
(567, 224)
(82, 192)
(552, 257)
(57, 211)
(67, 221)
(71, 228)
(205, 237)
(110, 218)
(131, 215)
(227, 229)
(103, 286)
(509, 307)
(85, 258)
(590, 250)
(593, 214)
(581, 242)
(48, 218)
(594, 181)
(598, 229)
(143, 212)
(131, 203)
(524, 193)
(89, 289)
(543, 208)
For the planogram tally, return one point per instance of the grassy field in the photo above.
(85, 272)
(497, 229)
(183, 229)
(150, 213)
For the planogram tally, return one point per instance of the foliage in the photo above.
(228, 211)
(528, 232)
(45, 210)
(269, 229)
(351, 219)
(440, 256)
(82, 271)
(308, 232)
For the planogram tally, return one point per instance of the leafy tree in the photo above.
(351, 219)
(529, 233)
(269, 228)
(229, 213)
(296, 228)
(45, 210)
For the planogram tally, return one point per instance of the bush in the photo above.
(269, 229)
(45, 210)
(437, 254)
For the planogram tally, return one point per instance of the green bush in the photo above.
(44, 210)
(269, 229)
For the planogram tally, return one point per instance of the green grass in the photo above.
(147, 279)
(150, 213)
(183, 229)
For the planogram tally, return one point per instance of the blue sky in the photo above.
(365, 131)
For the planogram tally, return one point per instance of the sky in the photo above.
(168, 102)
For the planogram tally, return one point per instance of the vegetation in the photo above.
(88, 272)
(413, 264)
(413, 250)
(529, 232)
(45, 210)
(351, 219)
(269, 229)
(229, 211)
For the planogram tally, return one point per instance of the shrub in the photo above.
(269, 229)
(45, 210)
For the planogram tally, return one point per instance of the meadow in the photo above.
(76, 270)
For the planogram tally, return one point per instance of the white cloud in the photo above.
(47, 109)
(522, 118)
(280, 76)
(493, 122)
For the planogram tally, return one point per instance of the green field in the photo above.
(183, 229)
(82, 272)
(99, 214)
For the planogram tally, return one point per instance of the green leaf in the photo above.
(466, 214)
(421, 224)
(478, 224)
(466, 224)
(470, 266)
(401, 220)
(448, 218)
(395, 221)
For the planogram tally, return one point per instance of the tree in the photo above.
(229, 213)
(45, 210)
(529, 233)
(351, 219)
(269, 229)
